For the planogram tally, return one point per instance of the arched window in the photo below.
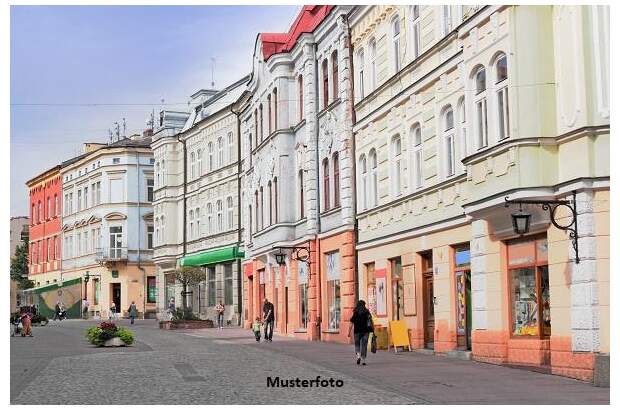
(257, 210)
(334, 75)
(197, 213)
(256, 127)
(480, 102)
(416, 137)
(220, 152)
(501, 83)
(275, 109)
(231, 147)
(300, 182)
(448, 134)
(260, 118)
(360, 73)
(191, 224)
(374, 194)
(230, 212)
(56, 210)
(268, 114)
(372, 46)
(336, 165)
(396, 164)
(209, 229)
(364, 182)
(270, 193)
(261, 213)
(300, 96)
(210, 149)
(192, 162)
(220, 216)
(325, 184)
(417, 47)
(462, 121)
(325, 83)
(396, 43)
(275, 199)
(199, 155)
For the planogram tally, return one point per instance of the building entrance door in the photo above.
(116, 297)
(428, 300)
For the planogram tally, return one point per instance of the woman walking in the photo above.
(133, 311)
(361, 325)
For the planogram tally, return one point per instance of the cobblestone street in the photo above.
(208, 366)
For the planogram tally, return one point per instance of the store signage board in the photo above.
(399, 334)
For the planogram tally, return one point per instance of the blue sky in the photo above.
(67, 55)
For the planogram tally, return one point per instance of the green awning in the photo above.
(211, 257)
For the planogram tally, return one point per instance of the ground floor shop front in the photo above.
(313, 299)
(517, 300)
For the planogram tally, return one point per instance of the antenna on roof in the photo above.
(110, 134)
(212, 72)
(124, 128)
(117, 130)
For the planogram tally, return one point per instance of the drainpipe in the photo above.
(140, 237)
(239, 273)
(351, 107)
(318, 190)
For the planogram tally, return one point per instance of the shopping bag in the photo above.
(373, 343)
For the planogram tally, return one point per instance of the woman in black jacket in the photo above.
(361, 325)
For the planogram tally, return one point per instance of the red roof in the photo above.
(308, 19)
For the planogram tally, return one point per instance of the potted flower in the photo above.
(108, 334)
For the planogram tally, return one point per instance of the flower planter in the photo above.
(186, 324)
(114, 342)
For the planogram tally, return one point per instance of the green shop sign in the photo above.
(211, 257)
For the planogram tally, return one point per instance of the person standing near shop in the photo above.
(113, 311)
(268, 319)
(361, 325)
(133, 311)
(85, 305)
(220, 315)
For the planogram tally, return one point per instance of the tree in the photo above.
(189, 276)
(19, 266)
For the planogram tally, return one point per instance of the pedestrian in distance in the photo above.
(361, 325)
(85, 305)
(27, 324)
(133, 311)
(171, 308)
(268, 319)
(113, 311)
(57, 310)
(256, 328)
(220, 315)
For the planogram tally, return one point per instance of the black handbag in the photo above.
(373, 343)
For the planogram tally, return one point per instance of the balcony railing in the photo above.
(111, 254)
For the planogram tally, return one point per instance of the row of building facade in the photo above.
(368, 155)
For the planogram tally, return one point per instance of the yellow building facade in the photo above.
(458, 108)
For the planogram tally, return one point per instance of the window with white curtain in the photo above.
(372, 46)
(416, 136)
(231, 147)
(417, 49)
(360, 73)
(199, 156)
(220, 216)
(192, 162)
(363, 166)
(448, 134)
(462, 119)
(209, 229)
(374, 194)
(501, 84)
(197, 214)
(230, 212)
(220, 152)
(191, 224)
(396, 43)
(480, 103)
(396, 165)
(210, 162)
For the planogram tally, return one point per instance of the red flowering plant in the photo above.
(98, 335)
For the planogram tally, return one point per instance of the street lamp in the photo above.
(521, 220)
(300, 253)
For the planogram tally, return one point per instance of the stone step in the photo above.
(459, 354)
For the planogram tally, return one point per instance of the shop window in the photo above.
(371, 295)
(398, 292)
(169, 287)
(529, 288)
(302, 268)
(462, 278)
(211, 286)
(151, 290)
(228, 284)
(333, 290)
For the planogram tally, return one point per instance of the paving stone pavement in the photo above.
(227, 366)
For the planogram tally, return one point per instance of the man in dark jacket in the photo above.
(268, 319)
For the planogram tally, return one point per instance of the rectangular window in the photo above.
(302, 270)
(85, 197)
(333, 290)
(502, 107)
(450, 165)
(149, 189)
(116, 160)
(117, 190)
(170, 285)
(211, 285)
(98, 196)
(149, 236)
(228, 284)
(481, 114)
(151, 289)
